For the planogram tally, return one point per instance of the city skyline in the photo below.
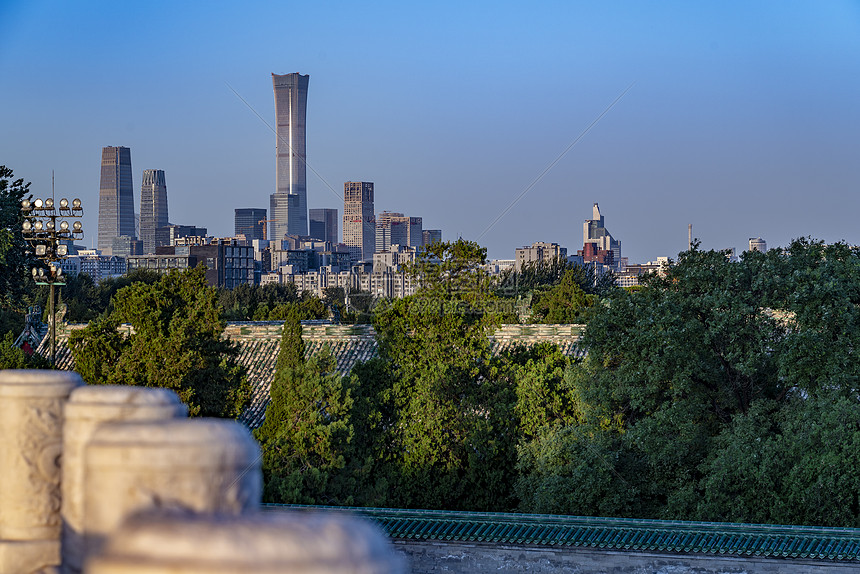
(742, 119)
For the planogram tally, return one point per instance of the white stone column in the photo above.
(31, 439)
(297, 542)
(88, 408)
(201, 465)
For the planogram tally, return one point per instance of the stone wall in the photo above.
(431, 557)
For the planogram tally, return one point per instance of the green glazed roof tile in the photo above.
(818, 543)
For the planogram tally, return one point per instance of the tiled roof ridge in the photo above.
(766, 540)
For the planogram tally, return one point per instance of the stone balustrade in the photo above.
(131, 486)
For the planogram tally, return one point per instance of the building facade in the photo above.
(228, 264)
(540, 251)
(288, 206)
(359, 223)
(123, 246)
(177, 232)
(94, 264)
(594, 232)
(323, 225)
(758, 244)
(116, 197)
(430, 236)
(153, 210)
(250, 222)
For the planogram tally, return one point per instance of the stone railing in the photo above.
(111, 480)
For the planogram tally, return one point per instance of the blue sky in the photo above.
(743, 118)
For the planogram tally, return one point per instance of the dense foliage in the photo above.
(307, 432)
(712, 394)
(175, 343)
(720, 391)
(15, 260)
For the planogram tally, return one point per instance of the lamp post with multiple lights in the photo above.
(44, 227)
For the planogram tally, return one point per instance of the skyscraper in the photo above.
(594, 231)
(116, 197)
(359, 227)
(250, 222)
(153, 210)
(323, 224)
(288, 206)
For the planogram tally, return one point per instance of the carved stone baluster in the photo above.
(31, 431)
(87, 409)
(200, 465)
(263, 543)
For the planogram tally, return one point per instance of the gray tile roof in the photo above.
(350, 344)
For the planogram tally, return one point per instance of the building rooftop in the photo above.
(765, 540)
(259, 342)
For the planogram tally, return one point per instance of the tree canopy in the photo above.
(718, 391)
(15, 259)
(175, 343)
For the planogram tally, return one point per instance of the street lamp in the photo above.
(44, 227)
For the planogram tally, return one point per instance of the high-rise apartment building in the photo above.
(116, 197)
(323, 224)
(359, 225)
(153, 210)
(250, 222)
(288, 206)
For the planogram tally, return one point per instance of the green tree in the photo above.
(306, 435)
(451, 440)
(15, 259)
(176, 343)
(796, 462)
(11, 357)
(538, 276)
(564, 302)
(677, 360)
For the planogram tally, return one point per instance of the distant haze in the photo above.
(744, 119)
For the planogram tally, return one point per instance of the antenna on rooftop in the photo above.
(689, 237)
